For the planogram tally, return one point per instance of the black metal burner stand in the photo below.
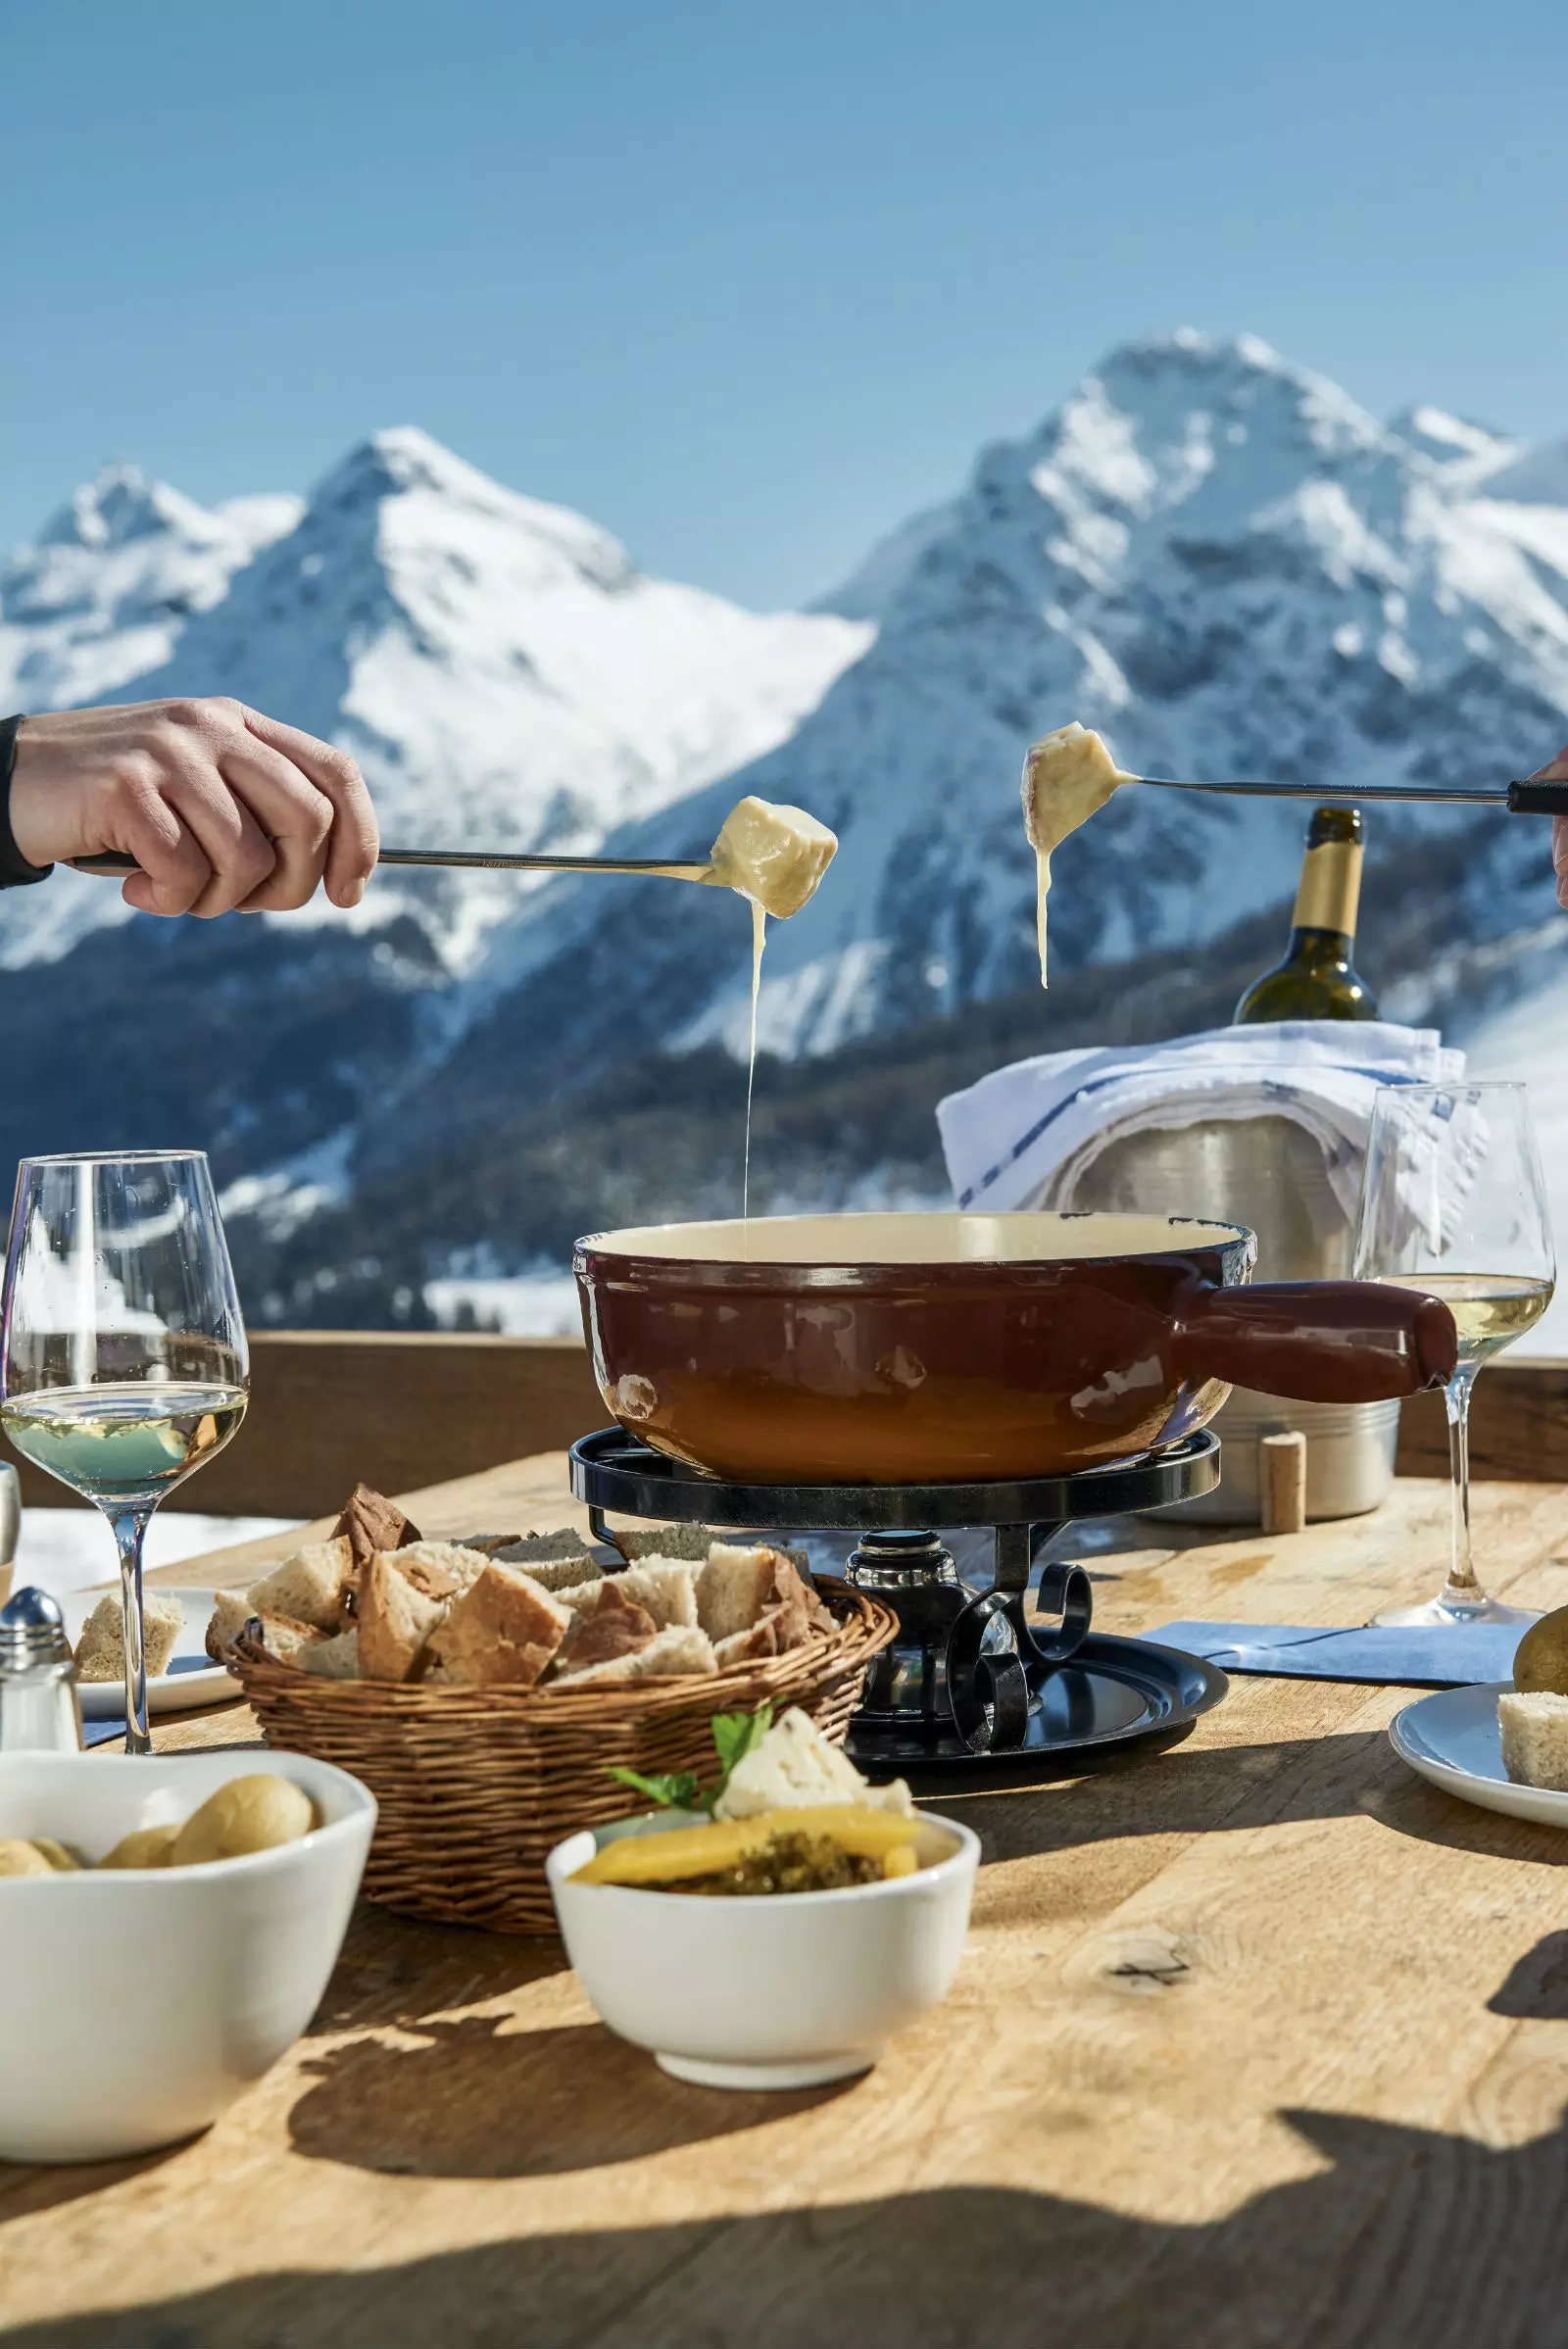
(975, 1681)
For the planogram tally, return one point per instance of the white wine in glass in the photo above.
(1453, 1205)
(123, 1365)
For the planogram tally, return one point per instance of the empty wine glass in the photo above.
(122, 1357)
(1453, 1204)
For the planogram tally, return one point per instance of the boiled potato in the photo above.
(18, 1858)
(60, 1856)
(1541, 1660)
(248, 1814)
(143, 1848)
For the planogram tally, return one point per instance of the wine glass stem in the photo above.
(1463, 1589)
(129, 1527)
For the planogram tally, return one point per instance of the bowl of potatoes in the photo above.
(168, 1924)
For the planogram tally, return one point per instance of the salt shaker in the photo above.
(39, 1710)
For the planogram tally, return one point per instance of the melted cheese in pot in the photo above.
(1066, 776)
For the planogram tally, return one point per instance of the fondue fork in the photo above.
(112, 862)
(1533, 796)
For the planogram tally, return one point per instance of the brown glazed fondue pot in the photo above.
(943, 1349)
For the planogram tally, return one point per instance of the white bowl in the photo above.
(139, 2002)
(776, 1990)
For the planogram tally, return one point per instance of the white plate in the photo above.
(1452, 1740)
(193, 1679)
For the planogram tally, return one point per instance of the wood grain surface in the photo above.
(1257, 2041)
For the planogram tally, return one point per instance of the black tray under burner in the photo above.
(976, 1683)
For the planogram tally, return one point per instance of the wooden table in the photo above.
(1259, 2040)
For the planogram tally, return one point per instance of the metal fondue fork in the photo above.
(112, 862)
(1529, 798)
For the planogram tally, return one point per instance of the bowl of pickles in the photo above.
(773, 1931)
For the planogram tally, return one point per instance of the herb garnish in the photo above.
(735, 1734)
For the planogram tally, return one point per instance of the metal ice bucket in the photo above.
(1266, 1172)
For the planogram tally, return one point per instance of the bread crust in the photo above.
(504, 1631)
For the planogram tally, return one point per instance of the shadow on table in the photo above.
(1537, 1988)
(1405, 2239)
(480, 2101)
(1190, 1790)
(1183, 1790)
(397, 1977)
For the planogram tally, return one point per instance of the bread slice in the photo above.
(395, 1616)
(336, 1659)
(764, 1638)
(439, 1569)
(283, 1639)
(617, 1626)
(554, 1574)
(1533, 1730)
(689, 1542)
(732, 1587)
(371, 1522)
(308, 1586)
(678, 1652)
(665, 1587)
(736, 1588)
(504, 1630)
(101, 1649)
(231, 1611)
(289, 1643)
(537, 1549)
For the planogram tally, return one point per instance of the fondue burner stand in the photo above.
(976, 1683)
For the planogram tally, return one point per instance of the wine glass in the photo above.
(1453, 1204)
(123, 1357)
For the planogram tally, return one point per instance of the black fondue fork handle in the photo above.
(1539, 798)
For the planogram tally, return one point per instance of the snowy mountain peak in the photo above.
(405, 461)
(106, 588)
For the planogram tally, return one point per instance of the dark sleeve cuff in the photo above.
(14, 870)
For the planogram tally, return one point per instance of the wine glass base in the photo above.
(1436, 1615)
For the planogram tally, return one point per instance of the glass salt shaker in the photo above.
(39, 1709)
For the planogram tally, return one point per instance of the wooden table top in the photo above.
(1256, 2040)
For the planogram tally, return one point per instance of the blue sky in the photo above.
(747, 283)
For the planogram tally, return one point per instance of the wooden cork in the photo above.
(1282, 1482)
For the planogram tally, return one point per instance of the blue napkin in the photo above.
(1451, 1657)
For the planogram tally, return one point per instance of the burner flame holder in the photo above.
(967, 1664)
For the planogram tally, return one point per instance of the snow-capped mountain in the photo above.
(504, 674)
(1230, 568)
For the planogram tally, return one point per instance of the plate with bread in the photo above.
(1500, 1743)
(180, 1673)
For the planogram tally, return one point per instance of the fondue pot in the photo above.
(939, 1348)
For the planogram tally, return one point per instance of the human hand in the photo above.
(222, 808)
(1557, 773)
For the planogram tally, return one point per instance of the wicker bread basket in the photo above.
(476, 1784)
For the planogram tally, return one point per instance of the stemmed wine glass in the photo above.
(1453, 1204)
(123, 1357)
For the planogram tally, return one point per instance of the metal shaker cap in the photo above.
(33, 1631)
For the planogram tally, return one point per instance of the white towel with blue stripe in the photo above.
(1026, 1136)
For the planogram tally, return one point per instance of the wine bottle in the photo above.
(1317, 979)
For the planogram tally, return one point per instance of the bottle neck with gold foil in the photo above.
(1329, 894)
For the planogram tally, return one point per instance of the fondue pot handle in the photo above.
(1317, 1341)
